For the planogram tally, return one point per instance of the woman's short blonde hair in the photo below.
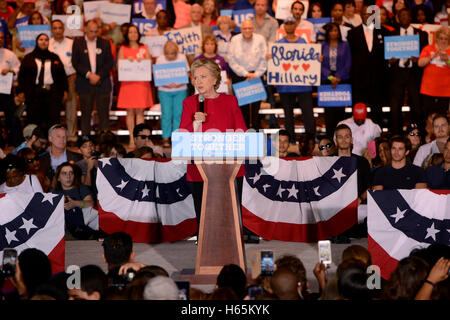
(213, 67)
(223, 19)
(442, 30)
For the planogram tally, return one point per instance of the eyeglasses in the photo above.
(143, 136)
(33, 159)
(328, 146)
(412, 134)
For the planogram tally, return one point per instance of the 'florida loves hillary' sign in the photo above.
(294, 64)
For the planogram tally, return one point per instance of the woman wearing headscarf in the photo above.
(43, 81)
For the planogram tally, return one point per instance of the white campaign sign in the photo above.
(113, 12)
(189, 40)
(69, 31)
(6, 83)
(155, 44)
(135, 70)
(91, 9)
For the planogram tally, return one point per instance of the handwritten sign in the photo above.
(189, 40)
(294, 64)
(167, 73)
(114, 12)
(6, 82)
(91, 9)
(249, 91)
(155, 44)
(339, 97)
(135, 70)
(71, 27)
(319, 23)
(401, 47)
(302, 33)
(284, 9)
(144, 25)
(28, 34)
(138, 6)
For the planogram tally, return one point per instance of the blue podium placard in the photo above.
(217, 145)
(339, 97)
(401, 47)
(249, 91)
(167, 73)
(28, 34)
(144, 25)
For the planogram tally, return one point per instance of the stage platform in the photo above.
(177, 256)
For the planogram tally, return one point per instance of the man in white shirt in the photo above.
(9, 66)
(297, 9)
(247, 60)
(62, 46)
(363, 129)
(441, 131)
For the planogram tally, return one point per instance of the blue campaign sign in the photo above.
(401, 47)
(138, 6)
(167, 73)
(144, 25)
(219, 145)
(240, 15)
(226, 12)
(28, 34)
(339, 97)
(318, 24)
(249, 91)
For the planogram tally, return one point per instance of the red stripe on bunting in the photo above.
(381, 258)
(340, 222)
(57, 257)
(146, 232)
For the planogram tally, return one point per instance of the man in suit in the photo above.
(57, 154)
(369, 69)
(406, 74)
(93, 61)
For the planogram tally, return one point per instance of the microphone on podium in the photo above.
(201, 101)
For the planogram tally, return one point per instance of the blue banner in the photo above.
(319, 23)
(167, 73)
(249, 91)
(28, 34)
(339, 97)
(144, 25)
(138, 6)
(241, 15)
(401, 47)
(22, 21)
(228, 145)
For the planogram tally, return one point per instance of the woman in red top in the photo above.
(221, 113)
(435, 60)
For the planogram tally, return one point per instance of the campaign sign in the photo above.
(6, 82)
(155, 44)
(167, 73)
(294, 64)
(284, 9)
(28, 34)
(319, 23)
(138, 6)
(249, 91)
(71, 25)
(401, 47)
(241, 15)
(114, 12)
(339, 97)
(21, 21)
(302, 33)
(92, 9)
(189, 40)
(144, 25)
(227, 12)
(135, 70)
(219, 145)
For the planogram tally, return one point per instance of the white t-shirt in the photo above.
(29, 185)
(180, 58)
(362, 134)
(424, 154)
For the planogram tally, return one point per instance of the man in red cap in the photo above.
(363, 129)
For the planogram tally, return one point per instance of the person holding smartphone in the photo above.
(89, 163)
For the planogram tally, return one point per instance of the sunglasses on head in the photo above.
(328, 146)
(33, 159)
(412, 134)
(143, 136)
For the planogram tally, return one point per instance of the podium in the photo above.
(218, 157)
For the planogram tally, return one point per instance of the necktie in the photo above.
(41, 73)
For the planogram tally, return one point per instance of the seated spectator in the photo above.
(34, 139)
(33, 167)
(406, 280)
(284, 139)
(438, 176)
(143, 153)
(413, 135)
(81, 220)
(399, 174)
(327, 147)
(383, 157)
(441, 132)
(89, 163)
(307, 144)
(233, 277)
(161, 288)
(14, 169)
(93, 283)
(363, 129)
(58, 154)
(142, 134)
(435, 159)
(284, 284)
(114, 151)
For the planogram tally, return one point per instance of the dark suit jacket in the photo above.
(81, 63)
(368, 68)
(46, 166)
(344, 61)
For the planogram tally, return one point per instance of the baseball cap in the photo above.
(28, 130)
(290, 20)
(360, 111)
(83, 139)
(411, 127)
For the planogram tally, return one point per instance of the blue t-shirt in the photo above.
(4, 29)
(288, 89)
(437, 177)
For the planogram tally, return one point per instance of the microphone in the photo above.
(201, 101)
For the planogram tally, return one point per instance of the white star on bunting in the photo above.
(256, 177)
(28, 225)
(10, 236)
(280, 192)
(316, 191)
(145, 191)
(399, 215)
(49, 197)
(431, 232)
(105, 162)
(293, 191)
(338, 174)
(122, 184)
(266, 186)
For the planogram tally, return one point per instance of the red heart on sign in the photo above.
(295, 67)
(286, 66)
(305, 66)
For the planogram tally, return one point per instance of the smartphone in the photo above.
(253, 291)
(267, 264)
(183, 289)
(325, 252)
(9, 262)
(372, 149)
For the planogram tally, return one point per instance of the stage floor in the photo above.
(181, 255)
